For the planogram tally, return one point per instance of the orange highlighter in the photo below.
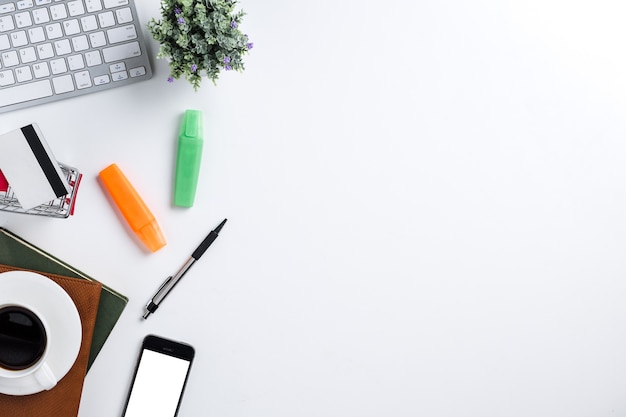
(137, 214)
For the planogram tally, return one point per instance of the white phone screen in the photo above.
(158, 385)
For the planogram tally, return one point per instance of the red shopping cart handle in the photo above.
(4, 184)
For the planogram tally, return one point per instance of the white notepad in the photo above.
(30, 167)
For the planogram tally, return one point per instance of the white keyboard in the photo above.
(55, 49)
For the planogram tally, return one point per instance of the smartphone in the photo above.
(160, 377)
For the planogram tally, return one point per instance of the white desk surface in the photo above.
(426, 204)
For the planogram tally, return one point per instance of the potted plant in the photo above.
(200, 38)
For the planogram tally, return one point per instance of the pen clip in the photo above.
(158, 295)
(168, 279)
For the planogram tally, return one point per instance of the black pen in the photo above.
(172, 280)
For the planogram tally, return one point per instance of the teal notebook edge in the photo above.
(19, 253)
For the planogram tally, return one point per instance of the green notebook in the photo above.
(16, 252)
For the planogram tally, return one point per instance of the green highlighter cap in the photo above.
(188, 158)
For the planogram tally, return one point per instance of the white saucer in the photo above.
(59, 311)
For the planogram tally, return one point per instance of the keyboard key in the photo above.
(45, 51)
(25, 92)
(6, 78)
(97, 39)
(80, 43)
(6, 23)
(58, 11)
(75, 62)
(4, 42)
(89, 23)
(119, 76)
(71, 27)
(93, 5)
(36, 35)
(23, 74)
(122, 34)
(119, 66)
(62, 47)
(101, 80)
(9, 59)
(124, 15)
(63, 84)
(121, 52)
(58, 66)
(114, 3)
(93, 58)
(7, 8)
(76, 8)
(83, 80)
(23, 20)
(41, 70)
(54, 31)
(24, 4)
(106, 19)
(137, 72)
(41, 16)
(28, 55)
(19, 38)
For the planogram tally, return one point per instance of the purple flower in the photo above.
(250, 45)
(181, 20)
(177, 10)
(228, 67)
(226, 60)
(170, 79)
(194, 68)
(233, 24)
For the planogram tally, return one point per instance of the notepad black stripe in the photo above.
(45, 163)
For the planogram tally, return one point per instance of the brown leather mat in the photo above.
(64, 399)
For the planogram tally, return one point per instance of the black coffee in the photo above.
(22, 338)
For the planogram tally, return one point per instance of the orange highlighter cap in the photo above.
(137, 214)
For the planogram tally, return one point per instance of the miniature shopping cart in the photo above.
(61, 207)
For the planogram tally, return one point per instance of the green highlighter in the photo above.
(188, 158)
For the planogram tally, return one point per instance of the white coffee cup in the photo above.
(24, 344)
